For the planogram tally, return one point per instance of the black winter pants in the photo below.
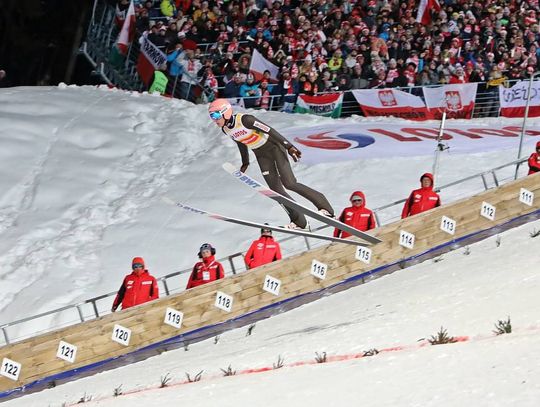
(278, 174)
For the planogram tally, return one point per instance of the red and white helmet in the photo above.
(220, 108)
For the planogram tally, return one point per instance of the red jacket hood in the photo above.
(430, 176)
(538, 144)
(361, 195)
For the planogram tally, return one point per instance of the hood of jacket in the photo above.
(359, 194)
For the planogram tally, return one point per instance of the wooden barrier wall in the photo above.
(37, 361)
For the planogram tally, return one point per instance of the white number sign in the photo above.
(526, 196)
(173, 317)
(224, 301)
(448, 225)
(406, 239)
(363, 254)
(487, 211)
(66, 351)
(10, 369)
(318, 269)
(271, 285)
(121, 335)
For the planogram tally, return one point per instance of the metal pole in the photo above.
(440, 146)
(521, 136)
(5, 335)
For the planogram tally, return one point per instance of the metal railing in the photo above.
(98, 306)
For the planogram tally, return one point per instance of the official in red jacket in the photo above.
(534, 160)
(262, 251)
(206, 270)
(356, 215)
(137, 288)
(422, 199)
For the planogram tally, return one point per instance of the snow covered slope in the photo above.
(83, 171)
(466, 294)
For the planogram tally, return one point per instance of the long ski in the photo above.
(243, 222)
(283, 200)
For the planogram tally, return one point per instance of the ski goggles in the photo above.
(266, 231)
(137, 266)
(216, 115)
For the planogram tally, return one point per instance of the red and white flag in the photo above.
(456, 99)
(259, 64)
(391, 102)
(128, 30)
(424, 11)
(514, 100)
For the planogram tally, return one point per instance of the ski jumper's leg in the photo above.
(269, 171)
(289, 181)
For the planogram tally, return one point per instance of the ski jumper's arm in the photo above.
(244, 153)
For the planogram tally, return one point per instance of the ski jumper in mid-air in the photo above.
(271, 149)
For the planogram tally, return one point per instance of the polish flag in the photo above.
(424, 11)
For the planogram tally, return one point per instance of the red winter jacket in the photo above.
(360, 217)
(136, 289)
(421, 200)
(205, 271)
(534, 161)
(262, 251)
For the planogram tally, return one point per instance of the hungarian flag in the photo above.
(121, 47)
(128, 30)
(259, 64)
(322, 105)
(424, 11)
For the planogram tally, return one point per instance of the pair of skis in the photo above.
(250, 182)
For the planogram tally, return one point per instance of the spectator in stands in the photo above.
(262, 251)
(137, 288)
(249, 90)
(175, 59)
(232, 89)
(422, 199)
(159, 81)
(534, 160)
(168, 8)
(356, 215)
(4, 83)
(190, 68)
(206, 270)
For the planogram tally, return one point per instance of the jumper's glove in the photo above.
(294, 153)
(244, 167)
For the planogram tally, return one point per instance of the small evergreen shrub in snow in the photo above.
(535, 233)
(503, 327)
(117, 391)
(84, 399)
(228, 371)
(250, 330)
(196, 378)
(216, 340)
(467, 251)
(165, 380)
(320, 358)
(371, 352)
(279, 363)
(441, 338)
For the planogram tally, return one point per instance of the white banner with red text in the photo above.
(391, 102)
(456, 99)
(343, 142)
(514, 100)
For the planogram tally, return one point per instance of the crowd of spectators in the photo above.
(324, 45)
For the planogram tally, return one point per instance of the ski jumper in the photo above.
(270, 148)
